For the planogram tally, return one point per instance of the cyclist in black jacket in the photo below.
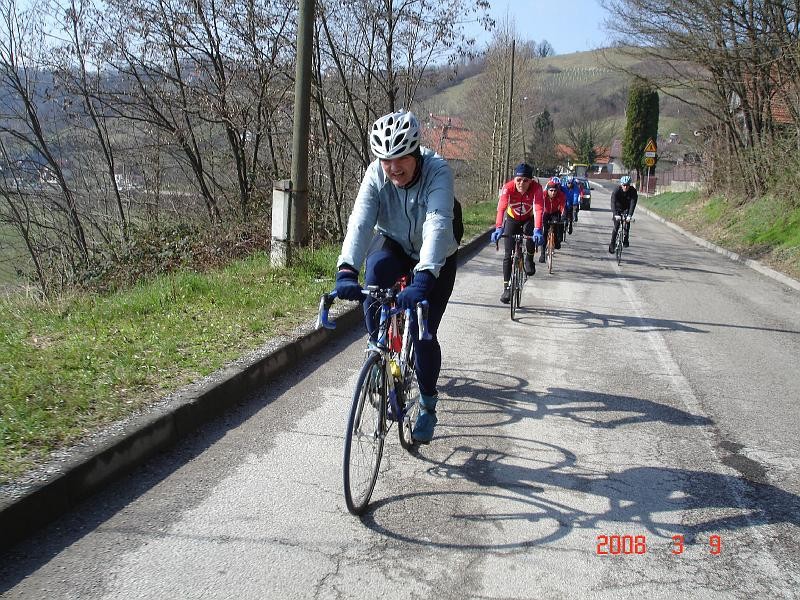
(622, 200)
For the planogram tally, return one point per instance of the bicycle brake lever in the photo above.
(422, 320)
(325, 303)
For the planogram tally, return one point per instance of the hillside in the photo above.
(569, 85)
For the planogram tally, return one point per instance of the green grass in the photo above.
(70, 367)
(670, 205)
(766, 229)
(73, 366)
(478, 218)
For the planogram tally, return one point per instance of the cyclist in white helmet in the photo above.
(402, 221)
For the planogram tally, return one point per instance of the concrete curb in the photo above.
(753, 264)
(156, 431)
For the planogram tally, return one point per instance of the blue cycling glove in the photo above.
(537, 236)
(496, 235)
(347, 286)
(418, 291)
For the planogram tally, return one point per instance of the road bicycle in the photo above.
(383, 394)
(550, 242)
(518, 275)
(622, 232)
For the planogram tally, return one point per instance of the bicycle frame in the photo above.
(550, 243)
(383, 342)
(379, 382)
(518, 275)
(624, 229)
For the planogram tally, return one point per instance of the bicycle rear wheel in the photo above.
(363, 443)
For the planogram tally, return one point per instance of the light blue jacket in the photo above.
(419, 218)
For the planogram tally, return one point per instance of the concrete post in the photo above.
(281, 248)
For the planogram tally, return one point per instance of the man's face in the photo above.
(400, 171)
(551, 190)
(625, 187)
(522, 184)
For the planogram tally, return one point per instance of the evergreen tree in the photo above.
(542, 147)
(641, 125)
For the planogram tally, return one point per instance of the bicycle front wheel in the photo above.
(512, 289)
(619, 249)
(409, 399)
(551, 250)
(366, 426)
(516, 285)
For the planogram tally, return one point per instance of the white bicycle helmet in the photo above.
(395, 135)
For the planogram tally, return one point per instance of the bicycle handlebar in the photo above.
(326, 301)
(524, 236)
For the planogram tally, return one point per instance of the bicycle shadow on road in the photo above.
(500, 399)
(517, 498)
(486, 489)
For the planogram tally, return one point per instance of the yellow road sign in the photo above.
(649, 161)
(651, 146)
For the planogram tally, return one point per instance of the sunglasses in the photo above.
(522, 179)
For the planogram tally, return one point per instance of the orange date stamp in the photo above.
(616, 545)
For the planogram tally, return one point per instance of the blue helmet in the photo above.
(624, 180)
(523, 170)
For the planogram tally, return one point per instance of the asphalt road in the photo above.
(633, 434)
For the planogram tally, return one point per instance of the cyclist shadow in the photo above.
(507, 399)
(644, 496)
(515, 485)
(491, 490)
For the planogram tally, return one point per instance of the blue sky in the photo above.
(569, 26)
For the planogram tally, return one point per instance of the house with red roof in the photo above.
(449, 138)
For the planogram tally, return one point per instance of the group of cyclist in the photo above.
(524, 207)
(403, 221)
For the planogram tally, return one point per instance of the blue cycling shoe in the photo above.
(426, 421)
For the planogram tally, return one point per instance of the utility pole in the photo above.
(290, 196)
(510, 111)
(522, 129)
(302, 116)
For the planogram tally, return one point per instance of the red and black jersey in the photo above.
(517, 206)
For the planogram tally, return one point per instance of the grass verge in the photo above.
(70, 367)
(766, 229)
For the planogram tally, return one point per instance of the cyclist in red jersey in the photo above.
(515, 214)
(555, 203)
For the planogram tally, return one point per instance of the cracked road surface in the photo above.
(632, 434)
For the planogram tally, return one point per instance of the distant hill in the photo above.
(567, 84)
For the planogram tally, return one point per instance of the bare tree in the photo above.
(372, 57)
(730, 59)
(73, 69)
(22, 42)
